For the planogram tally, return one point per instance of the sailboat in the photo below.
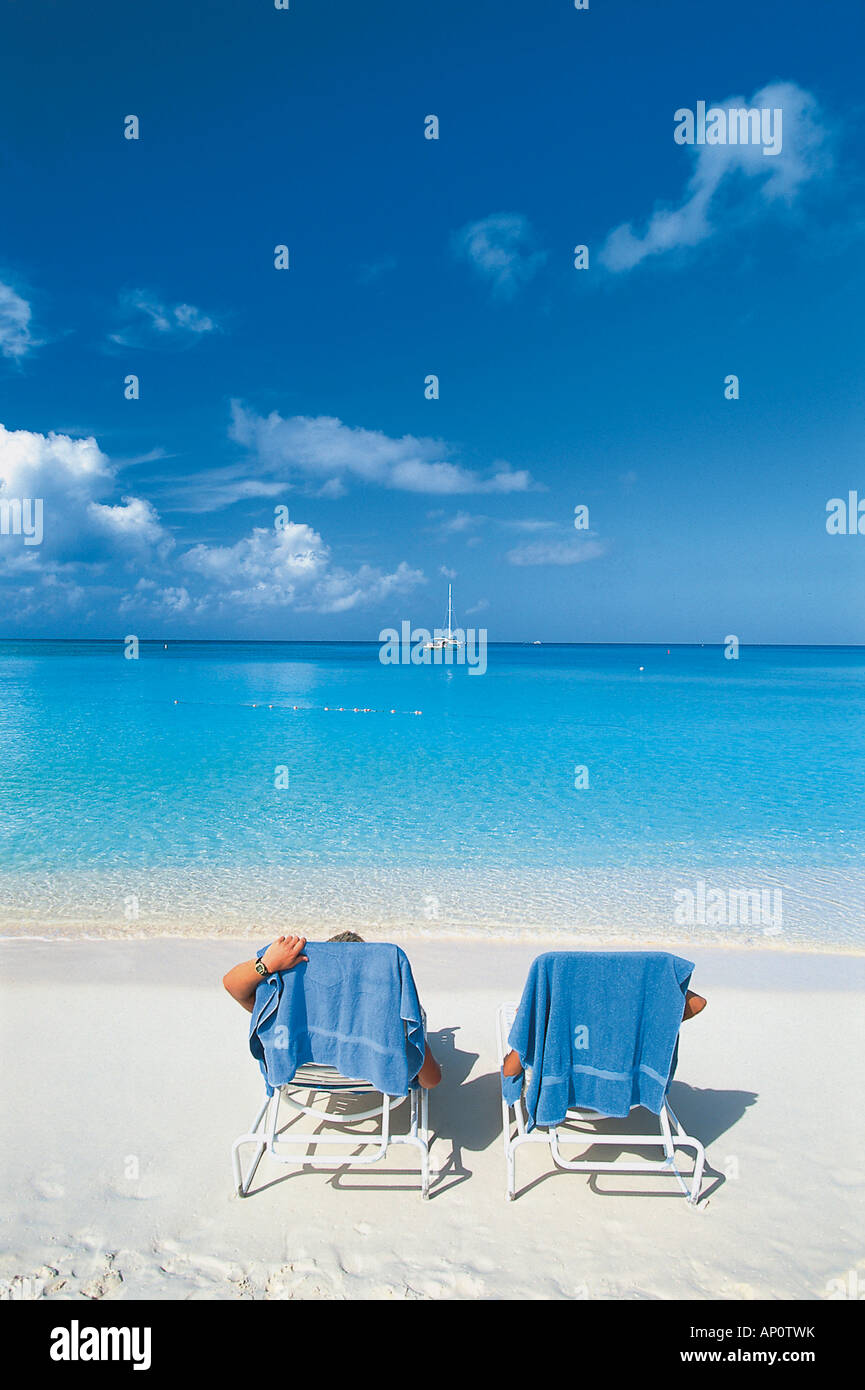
(449, 638)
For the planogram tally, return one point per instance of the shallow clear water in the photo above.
(125, 811)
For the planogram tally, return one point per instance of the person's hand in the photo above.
(285, 953)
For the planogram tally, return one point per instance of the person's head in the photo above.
(346, 936)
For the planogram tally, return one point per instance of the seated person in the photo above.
(284, 954)
(694, 1004)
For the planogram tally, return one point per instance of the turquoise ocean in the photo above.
(615, 792)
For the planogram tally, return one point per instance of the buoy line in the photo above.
(302, 709)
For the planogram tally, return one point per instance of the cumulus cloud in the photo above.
(732, 183)
(84, 534)
(71, 477)
(149, 323)
(501, 250)
(15, 337)
(322, 450)
(118, 551)
(134, 520)
(291, 566)
(566, 552)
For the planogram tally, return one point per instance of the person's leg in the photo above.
(430, 1073)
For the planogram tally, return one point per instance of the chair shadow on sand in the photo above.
(705, 1114)
(467, 1116)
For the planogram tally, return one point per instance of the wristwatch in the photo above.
(261, 969)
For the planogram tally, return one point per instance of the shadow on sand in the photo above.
(466, 1117)
(704, 1114)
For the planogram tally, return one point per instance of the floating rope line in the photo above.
(309, 709)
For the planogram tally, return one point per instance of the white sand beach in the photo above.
(127, 1076)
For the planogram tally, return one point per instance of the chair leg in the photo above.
(692, 1194)
(242, 1184)
(424, 1129)
(511, 1156)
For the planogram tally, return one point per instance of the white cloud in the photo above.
(151, 323)
(291, 566)
(88, 541)
(92, 542)
(215, 488)
(529, 524)
(15, 315)
(71, 477)
(500, 247)
(459, 523)
(569, 552)
(730, 184)
(134, 520)
(323, 449)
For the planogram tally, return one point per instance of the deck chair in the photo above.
(315, 1081)
(312, 1090)
(582, 1134)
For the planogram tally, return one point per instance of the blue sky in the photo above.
(305, 388)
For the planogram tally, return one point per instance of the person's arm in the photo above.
(282, 954)
(512, 1066)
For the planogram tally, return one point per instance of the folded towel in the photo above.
(598, 1031)
(354, 1006)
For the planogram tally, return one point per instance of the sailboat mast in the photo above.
(450, 612)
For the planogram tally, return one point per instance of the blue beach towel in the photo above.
(354, 1006)
(599, 1031)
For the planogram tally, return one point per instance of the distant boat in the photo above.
(448, 639)
(536, 643)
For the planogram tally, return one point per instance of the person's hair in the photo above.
(346, 936)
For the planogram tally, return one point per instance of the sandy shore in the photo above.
(126, 1077)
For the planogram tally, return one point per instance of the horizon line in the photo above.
(374, 642)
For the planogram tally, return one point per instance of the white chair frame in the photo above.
(327, 1081)
(587, 1138)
